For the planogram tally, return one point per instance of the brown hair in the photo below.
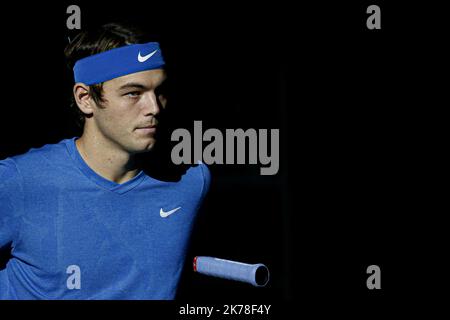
(90, 42)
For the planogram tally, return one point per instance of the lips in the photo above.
(147, 129)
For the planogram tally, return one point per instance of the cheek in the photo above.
(125, 107)
(115, 116)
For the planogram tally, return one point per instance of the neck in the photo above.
(106, 158)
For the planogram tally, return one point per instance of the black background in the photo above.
(352, 113)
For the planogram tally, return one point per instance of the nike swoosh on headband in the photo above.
(145, 58)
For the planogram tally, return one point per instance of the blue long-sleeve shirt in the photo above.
(73, 234)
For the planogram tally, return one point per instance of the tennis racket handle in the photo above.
(255, 274)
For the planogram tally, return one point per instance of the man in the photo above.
(82, 219)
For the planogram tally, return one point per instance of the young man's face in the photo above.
(128, 119)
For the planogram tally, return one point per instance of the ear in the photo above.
(82, 98)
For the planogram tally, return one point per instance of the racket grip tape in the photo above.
(255, 274)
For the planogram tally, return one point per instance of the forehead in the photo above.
(147, 78)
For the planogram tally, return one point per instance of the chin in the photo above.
(144, 147)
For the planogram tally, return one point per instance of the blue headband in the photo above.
(118, 62)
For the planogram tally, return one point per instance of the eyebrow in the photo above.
(133, 85)
(136, 85)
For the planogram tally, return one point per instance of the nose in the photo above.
(150, 104)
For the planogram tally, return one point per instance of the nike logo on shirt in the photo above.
(165, 214)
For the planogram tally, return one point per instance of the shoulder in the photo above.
(202, 170)
(206, 173)
(11, 200)
(8, 171)
(11, 188)
(202, 174)
(46, 156)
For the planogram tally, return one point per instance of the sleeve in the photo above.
(11, 195)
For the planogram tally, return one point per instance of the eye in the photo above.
(133, 94)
